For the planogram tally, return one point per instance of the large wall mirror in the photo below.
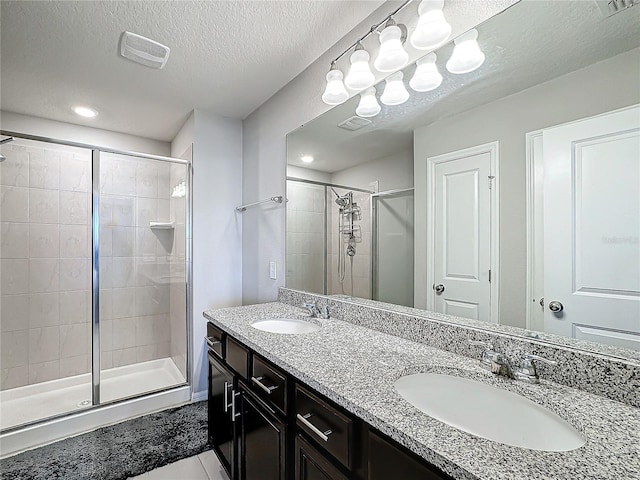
(509, 195)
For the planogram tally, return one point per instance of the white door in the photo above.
(462, 232)
(592, 228)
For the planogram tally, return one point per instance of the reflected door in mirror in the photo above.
(592, 228)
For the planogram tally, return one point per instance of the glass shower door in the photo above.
(45, 290)
(393, 247)
(143, 289)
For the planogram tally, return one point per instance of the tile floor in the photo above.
(199, 467)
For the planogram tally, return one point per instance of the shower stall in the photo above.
(328, 242)
(95, 282)
(344, 240)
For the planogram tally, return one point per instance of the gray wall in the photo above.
(217, 229)
(599, 88)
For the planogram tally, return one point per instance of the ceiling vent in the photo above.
(611, 7)
(354, 123)
(143, 50)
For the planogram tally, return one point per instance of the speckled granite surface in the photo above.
(356, 367)
(597, 371)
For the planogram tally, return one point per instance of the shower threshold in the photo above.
(31, 403)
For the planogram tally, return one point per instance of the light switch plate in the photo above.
(272, 270)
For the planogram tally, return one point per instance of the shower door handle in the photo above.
(438, 288)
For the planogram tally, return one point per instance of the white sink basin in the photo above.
(489, 412)
(287, 326)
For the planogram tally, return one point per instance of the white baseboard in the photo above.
(199, 396)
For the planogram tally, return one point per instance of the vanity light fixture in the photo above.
(395, 92)
(85, 111)
(335, 93)
(306, 158)
(360, 76)
(368, 106)
(392, 55)
(426, 77)
(432, 30)
(466, 56)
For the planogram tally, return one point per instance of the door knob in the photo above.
(556, 306)
(439, 288)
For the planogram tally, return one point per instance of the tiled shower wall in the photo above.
(134, 260)
(45, 249)
(45, 263)
(305, 232)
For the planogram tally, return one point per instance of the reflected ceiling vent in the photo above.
(354, 123)
(611, 7)
(143, 50)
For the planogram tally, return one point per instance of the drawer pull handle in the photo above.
(323, 435)
(267, 390)
(211, 342)
(226, 396)
(234, 414)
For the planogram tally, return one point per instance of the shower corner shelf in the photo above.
(162, 225)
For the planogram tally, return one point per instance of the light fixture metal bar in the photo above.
(374, 29)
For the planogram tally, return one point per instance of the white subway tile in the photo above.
(44, 240)
(43, 206)
(14, 204)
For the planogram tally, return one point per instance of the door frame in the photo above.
(493, 149)
(534, 183)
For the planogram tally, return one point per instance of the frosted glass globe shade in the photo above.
(426, 77)
(466, 56)
(392, 55)
(432, 30)
(360, 75)
(335, 93)
(368, 106)
(395, 92)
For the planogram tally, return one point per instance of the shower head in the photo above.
(2, 142)
(341, 201)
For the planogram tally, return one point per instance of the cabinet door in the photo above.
(221, 427)
(387, 461)
(262, 440)
(312, 465)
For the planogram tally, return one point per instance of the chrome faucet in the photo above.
(527, 371)
(317, 312)
(491, 360)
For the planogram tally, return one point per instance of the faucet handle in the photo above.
(528, 359)
(311, 307)
(491, 360)
(528, 371)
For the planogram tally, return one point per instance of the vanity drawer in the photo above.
(269, 382)
(237, 357)
(215, 340)
(330, 428)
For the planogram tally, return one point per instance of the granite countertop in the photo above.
(356, 367)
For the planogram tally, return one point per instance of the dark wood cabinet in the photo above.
(221, 428)
(387, 460)
(262, 439)
(312, 465)
(266, 425)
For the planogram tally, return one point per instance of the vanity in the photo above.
(326, 404)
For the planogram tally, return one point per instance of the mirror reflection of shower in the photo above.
(2, 142)
(348, 214)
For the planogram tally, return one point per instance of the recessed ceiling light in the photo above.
(85, 112)
(306, 158)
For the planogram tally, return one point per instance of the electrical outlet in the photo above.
(272, 270)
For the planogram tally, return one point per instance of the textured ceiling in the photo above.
(226, 56)
(529, 43)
